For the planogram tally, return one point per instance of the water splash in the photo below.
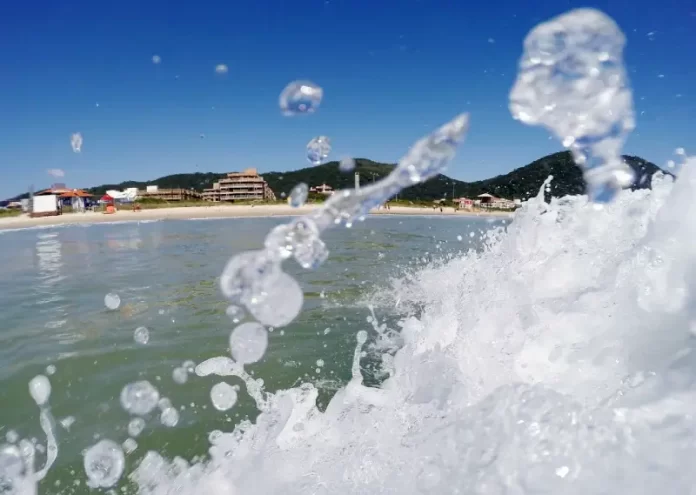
(572, 81)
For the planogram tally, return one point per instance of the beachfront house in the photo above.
(323, 189)
(486, 200)
(78, 199)
(465, 203)
(247, 185)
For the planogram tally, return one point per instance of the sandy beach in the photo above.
(198, 212)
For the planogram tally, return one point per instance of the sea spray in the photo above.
(573, 82)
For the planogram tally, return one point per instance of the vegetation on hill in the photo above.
(521, 183)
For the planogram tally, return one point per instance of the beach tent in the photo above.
(106, 199)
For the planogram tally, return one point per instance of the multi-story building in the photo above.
(240, 186)
(178, 194)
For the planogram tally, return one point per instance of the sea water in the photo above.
(558, 359)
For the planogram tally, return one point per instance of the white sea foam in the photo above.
(537, 366)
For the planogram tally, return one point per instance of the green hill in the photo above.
(520, 183)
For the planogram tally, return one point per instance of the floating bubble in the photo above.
(104, 463)
(189, 366)
(221, 69)
(180, 375)
(248, 342)
(76, 142)
(346, 164)
(50, 370)
(156, 59)
(572, 81)
(141, 335)
(300, 97)
(223, 396)
(12, 436)
(298, 195)
(164, 403)
(318, 149)
(136, 427)
(112, 301)
(320, 362)
(139, 398)
(40, 389)
(169, 417)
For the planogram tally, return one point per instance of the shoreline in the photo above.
(213, 212)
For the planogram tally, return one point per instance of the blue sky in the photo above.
(391, 70)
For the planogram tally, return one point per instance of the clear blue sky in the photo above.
(391, 70)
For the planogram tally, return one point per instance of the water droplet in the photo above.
(156, 59)
(318, 149)
(141, 335)
(189, 366)
(67, 422)
(235, 313)
(248, 342)
(221, 69)
(104, 463)
(12, 436)
(298, 195)
(169, 417)
(164, 403)
(112, 301)
(139, 398)
(346, 165)
(680, 151)
(129, 445)
(362, 337)
(300, 97)
(459, 238)
(76, 142)
(136, 427)
(320, 362)
(180, 375)
(50, 369)
(40, 389)
(223, 396)
(279, 302)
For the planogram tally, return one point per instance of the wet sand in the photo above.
(197, 212)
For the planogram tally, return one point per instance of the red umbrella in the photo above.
(107, 199)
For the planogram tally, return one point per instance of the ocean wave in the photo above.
(557, 360)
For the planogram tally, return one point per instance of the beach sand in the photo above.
(226, 211)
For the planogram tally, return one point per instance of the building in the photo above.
(240, 186)
(323, 189)
(465, 203)
(76, 198)
(486, 200)
(178, 194)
